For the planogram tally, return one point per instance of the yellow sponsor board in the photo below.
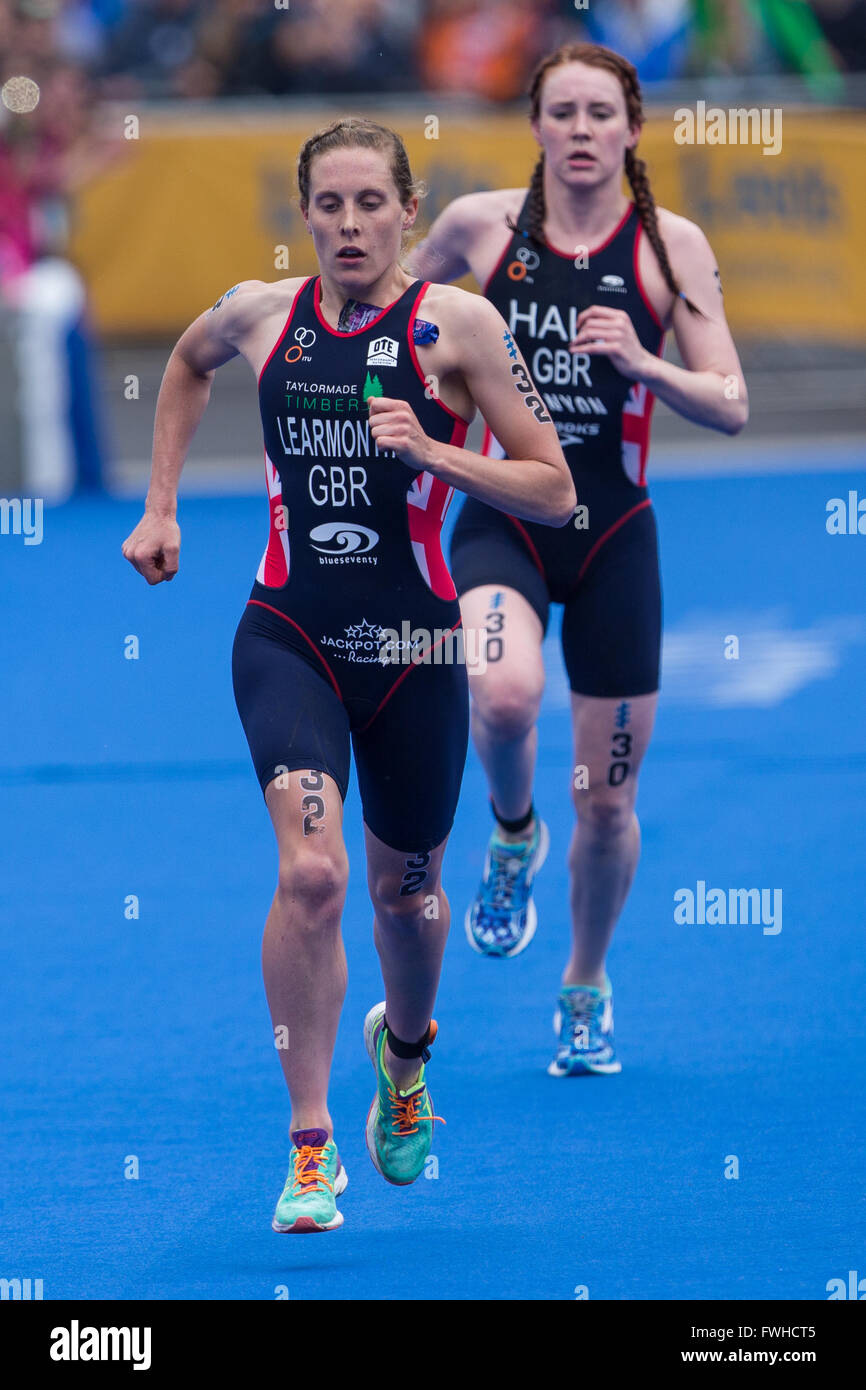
(787, 230)
(197, 206)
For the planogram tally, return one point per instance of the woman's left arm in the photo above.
(710, 388)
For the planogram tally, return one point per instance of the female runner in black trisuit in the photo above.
(363, 433)
(588, 282)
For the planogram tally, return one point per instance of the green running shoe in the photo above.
(400, 1123)
(316, 1178)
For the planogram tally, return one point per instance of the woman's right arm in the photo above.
(153, 548)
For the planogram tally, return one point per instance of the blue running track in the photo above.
(150, 1037)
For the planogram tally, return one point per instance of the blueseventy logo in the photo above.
(341, 542)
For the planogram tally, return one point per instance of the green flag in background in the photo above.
(791, 29)
(796, 36)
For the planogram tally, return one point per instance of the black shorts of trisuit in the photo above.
(609, 588)
(409, 755)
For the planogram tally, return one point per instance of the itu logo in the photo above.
(304, 338)
(526, 260)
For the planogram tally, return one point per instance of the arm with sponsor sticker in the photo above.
(153, 548)
(710, 388)
(533, 480)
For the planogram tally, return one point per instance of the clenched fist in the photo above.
(153, 548)
(394, 425)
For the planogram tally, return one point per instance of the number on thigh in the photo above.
(611, 737)
(510, 633)
(303, 805)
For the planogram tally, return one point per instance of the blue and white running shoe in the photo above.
(502, 919)
(584, 1022)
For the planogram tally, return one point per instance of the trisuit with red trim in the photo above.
(353, 581)
(603, 565)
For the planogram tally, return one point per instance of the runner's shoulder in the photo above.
(249, 301)
(462, 312)
(682, 237)
(473, 213)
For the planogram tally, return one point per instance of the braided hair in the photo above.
(597, 56)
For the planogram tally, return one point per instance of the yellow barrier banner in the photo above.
(202, 203)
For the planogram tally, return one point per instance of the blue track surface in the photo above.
(151, 1037)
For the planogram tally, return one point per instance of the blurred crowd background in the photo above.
(225, 48)
(84, 52)
(86, 57)
(245, 47)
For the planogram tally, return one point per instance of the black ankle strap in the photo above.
(408, 1051)
(513, 826)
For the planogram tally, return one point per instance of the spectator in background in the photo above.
(795, 34)
(746, 37)
(481, 47)
(48, 151)
(34, 32)
(843, 24)
(16, 239)
(47, 30)
(727, 38)
(188, 48)
(322, 46)
(82, 32)
(206, 49)
(152, 52)
(655, 35)
(234, 38)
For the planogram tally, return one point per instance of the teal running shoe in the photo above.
(584, 1022)
(502, 919)
(399, 1123)
(316, 1178)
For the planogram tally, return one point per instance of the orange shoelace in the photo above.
(306, 1177)
(406, 1112)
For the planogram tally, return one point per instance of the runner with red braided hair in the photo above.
(589, 281)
